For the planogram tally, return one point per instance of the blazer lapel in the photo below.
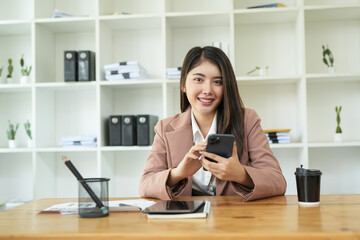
(180, 140)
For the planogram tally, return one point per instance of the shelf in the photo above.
(125, 148)
(198, 20)
(132, 83)
(254, 80)
(15, 27)
(286, 146)
(45, 8)
(268, 15)
(197, 6)
(66, 86)
(326, 13)
(67, 25)
(15, 87)
(335, 77)
(333, 144)
(65, 149)
(16, 150)
(244, 4)
(130, 22)
(132, 7)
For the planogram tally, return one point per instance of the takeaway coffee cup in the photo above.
(308, 186)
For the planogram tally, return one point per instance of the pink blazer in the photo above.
(173, 140)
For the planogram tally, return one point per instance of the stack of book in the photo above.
(173, 73)
(271, 5)
(78, 141)
(278, 135)
(125, 70)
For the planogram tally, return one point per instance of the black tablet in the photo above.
(173, 206)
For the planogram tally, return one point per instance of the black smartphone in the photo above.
(220, 144)
(174, 206)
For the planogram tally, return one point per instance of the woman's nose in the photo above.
(207, 87)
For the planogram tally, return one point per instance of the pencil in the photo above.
(73, 169)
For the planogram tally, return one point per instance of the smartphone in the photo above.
(220, 144)
(174, 206)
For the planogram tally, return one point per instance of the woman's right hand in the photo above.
(188, 166)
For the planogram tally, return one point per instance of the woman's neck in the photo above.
(204, 122)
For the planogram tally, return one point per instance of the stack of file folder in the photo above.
(278, 135)
(78, 141)
(174, 72)
(125, 70)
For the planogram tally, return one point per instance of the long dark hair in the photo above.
(230, 117)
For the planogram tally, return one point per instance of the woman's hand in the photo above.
(227, 169)
(188, 166)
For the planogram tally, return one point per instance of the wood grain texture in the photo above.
(337, 217)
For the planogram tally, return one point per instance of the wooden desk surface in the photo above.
(337, 217)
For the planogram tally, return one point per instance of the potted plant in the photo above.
(28, 132)
(9, 78)
(25, 71)
(338, 132)
(328, 59)
(261, 71)
(11, 132)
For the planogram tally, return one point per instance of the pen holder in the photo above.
(93, 197)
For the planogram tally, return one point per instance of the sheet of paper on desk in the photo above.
(115, 206)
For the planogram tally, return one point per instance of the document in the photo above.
(129, 205)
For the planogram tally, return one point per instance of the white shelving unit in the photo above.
(298, 93)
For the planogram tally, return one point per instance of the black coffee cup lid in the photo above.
(307, 172)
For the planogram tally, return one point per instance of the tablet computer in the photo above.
(174, 206)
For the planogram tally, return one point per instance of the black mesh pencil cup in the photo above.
(93, 197)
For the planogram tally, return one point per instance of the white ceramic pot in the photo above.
(338, 137)
(331, 69)
(12, 144)
(30, 143)
(10, 80)
(262, 72)
(24, 79)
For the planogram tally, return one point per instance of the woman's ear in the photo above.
(183, 89)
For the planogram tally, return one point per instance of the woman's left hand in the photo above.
(227, 169)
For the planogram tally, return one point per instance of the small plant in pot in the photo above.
(28, 132)
(260, 71)
(9, 78)
(25, 71)
(11, 132)
(328, 59)
(338, 132)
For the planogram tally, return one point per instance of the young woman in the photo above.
(210, 103)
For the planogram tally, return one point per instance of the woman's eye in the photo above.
(218, 82)
(197, 79)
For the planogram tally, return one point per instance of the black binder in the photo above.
(70, 66)
(129, 130)
(86, 66)
(145, 129)
(115, 130)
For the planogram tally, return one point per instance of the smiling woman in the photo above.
(210, 103)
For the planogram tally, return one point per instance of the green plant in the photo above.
(338, 110)
(255, 69)
(10, 68)
(1, 70)
(27, 128)
(11, 132)
(24, 71)
(328, 58)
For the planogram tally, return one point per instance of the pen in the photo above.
(72, 168)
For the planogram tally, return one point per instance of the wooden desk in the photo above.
(337, 217)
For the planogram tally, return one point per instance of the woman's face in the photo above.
(204, 89)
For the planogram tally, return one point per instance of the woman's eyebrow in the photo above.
(203, 75)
